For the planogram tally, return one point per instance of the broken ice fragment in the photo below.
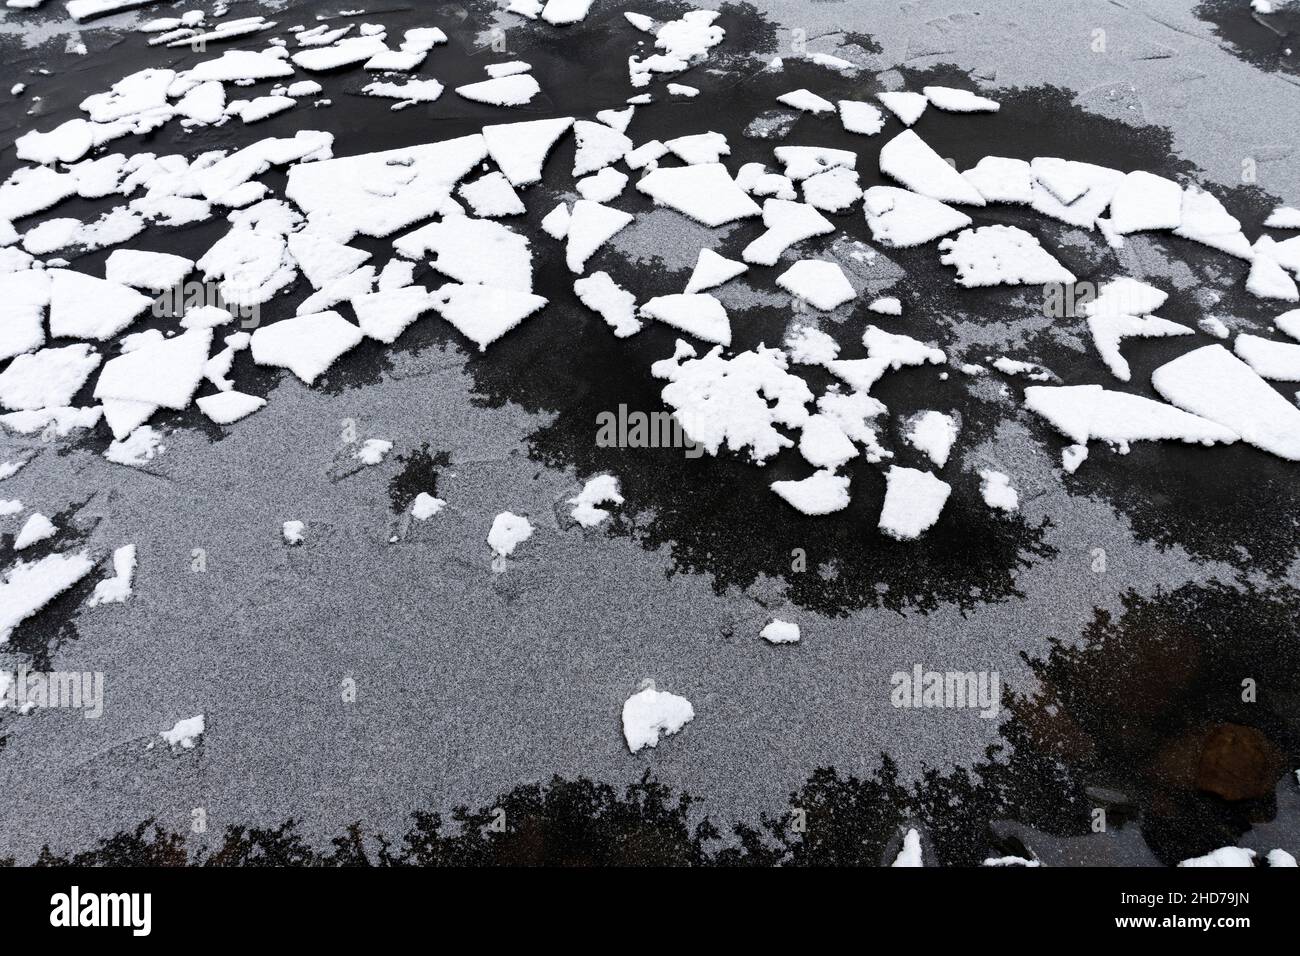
(699, 314)
(154, 271)
(1001, 255)
(704, 192)
(614, 304)
(492, 196)
(933, 433)
(913, 502)
(28, 587)
(699, 148)
(142, 445)
(598, 146)
(184, 733)
(48, 378)
(909, 160)
(712, 270)
(226, 408)
(859, 117)
(821, 284)
(959, 101)
(908, 107)
(306, 345)
(591, 225)
(823, 443)
(807, 101)
(1000, 179)
(1085, 412)
(84, 307)
(520, 149)
(425, 506)
(373, 450)
(484, 313)
(900, 218)
(834, 190)
(165, 373)
(787, 223)
(1213, 383)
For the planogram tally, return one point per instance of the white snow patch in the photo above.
(509, 530)
(908, 107)
(713, 270)
(995, 488)
(306, 345)
(734, 402)
(780, 632)
(35, 529)
(1085, 412)
(184, 733)
(484, 313)
(117, 589)
(600, 490)
(697, 313)
(705, 192)
(959, 101)
(933, 433)
(649, 713)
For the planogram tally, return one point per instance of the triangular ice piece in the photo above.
(385, 315)
(590, 226)
(86, 307)
(821, 493)
(520, 149)
(483, 313)
(712, 270)
(908, 107)
(900, 218)
(1085, 412)
(698, 314)
(1214, 383)
(908, 159)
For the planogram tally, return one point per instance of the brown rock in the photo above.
(1238, 763)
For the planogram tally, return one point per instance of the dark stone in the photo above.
(1238, 763)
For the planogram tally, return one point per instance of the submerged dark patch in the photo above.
(419, 474)
(1270, 41)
